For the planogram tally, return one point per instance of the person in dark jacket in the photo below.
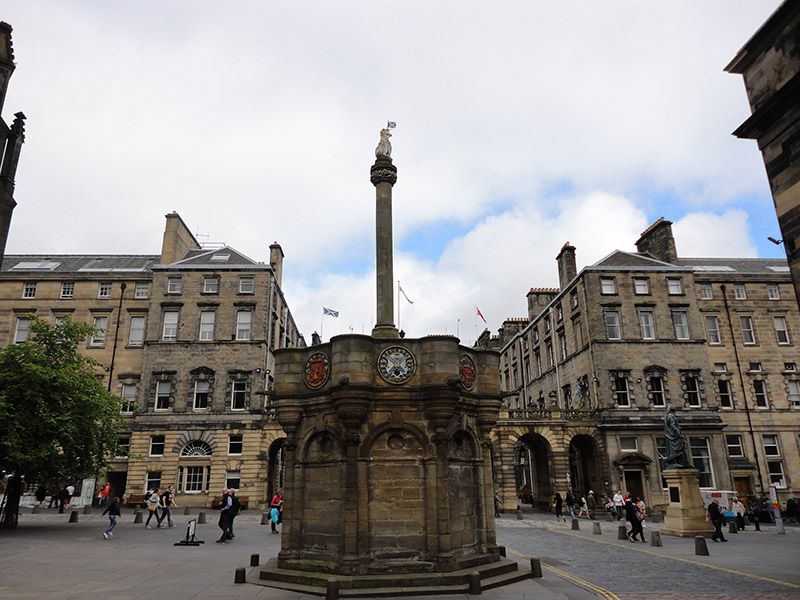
(632, 516)
(113, 512)
(717, 517)
(225, 516)
(558, 502)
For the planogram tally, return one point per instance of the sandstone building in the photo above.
(187, 340)
(589, 374)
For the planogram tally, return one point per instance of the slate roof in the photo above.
(620, 259)
(43, 264)
(217, 258)
(743, 266)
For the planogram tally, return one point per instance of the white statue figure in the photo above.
(384, 148)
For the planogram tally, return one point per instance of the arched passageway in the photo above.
(584, 466)
(276, 470)
(533, 459)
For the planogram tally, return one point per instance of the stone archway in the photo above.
(276, 467)
(584, 466)
(533, 458)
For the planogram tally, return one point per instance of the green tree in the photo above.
(58, 420)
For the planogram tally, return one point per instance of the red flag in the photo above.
(480, 315)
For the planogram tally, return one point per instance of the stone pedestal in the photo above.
(686, 514)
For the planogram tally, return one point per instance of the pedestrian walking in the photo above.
(738, 511)
(153, 504)
(792, 510)
(41, 494)
(55, 493)
(275, 510)
(557, 504)
(634, 518)
(236, 507)
(63, 499)
(582, 508)
(70, 493)
(167, 504)
(497, 505)
(570, 502)
(113, 511)
(770, 508)
(224, 515)
(619, 504)
(716, 516)
(103, 495)
(642, 510)
(591, 503)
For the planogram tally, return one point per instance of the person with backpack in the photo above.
(236, 507)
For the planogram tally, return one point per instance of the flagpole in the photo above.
(321, 323)
(398, 305)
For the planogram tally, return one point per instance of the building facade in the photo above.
(590, 372)
(186, 339)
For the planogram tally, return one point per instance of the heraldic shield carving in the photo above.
(396, 365)
(318, 368)
(466, 368)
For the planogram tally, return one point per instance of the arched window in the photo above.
(196, 448)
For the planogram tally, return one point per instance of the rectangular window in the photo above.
(174, 285)
(22, 330)
(674, 286)
(712, 327)
(153, 481)
(621, 391)
(233, 479)
(701, 458)
(577, 330)
(207, 325)
(537, 360)
(128, 398)
(692, 391)
(607, 285)
(748, 333)
(781, 329)
(657, 391)
(771, 447)
(210, 285)
(170, 331)
(99, 336)
(628, 444)
(562, 344)
(791, 367)
(142, 290)
(773, 452)
(243, 318)
(776, 476)
(706, 292)
(721, 367)
(235, 443)
(681, 324)
(194, 480)
(246, 285)
(201, 395)
(29, 289)
(156, 445)
(773, 291)
(612, 324)
(754, 367)
(793, 387)
(163, 390)
(238, 395)
(760, 393)
(124, 447)
(136, 334)
(67, 289)
(641, 285)
(646, 325)
(559, 314)
(735, 448)
(739, 291)
(104, 290)
(573, 299)
(548, 347)
(725, 396)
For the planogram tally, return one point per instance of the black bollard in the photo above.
(655, 538)
(137, 517)
(536, 568)
(596, 528)
(187, 510)
(502, 550)
(87, 509)
(73, 516)
(201, 517)
(732, 528)
(576, 526)
(240, 576)
(332, 589)
(475, 583)
(35, 510)
(254, 560)
(756, 523)
(700, 546)
(264, 519)
(622, 532)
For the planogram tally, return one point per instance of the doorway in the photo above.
(633, 484)
(743, 486)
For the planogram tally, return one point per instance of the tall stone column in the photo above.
(383, 176)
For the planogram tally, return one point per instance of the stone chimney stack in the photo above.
(657, 240)
(178, 240)
(276, 261)
(566, 265)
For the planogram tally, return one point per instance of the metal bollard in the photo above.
(655, 538)
(536, 568)
(254, 560)
(596, 528)
(73, 516)
(502, 550)
(332, 589)
(475, 583)
(35, 510)
(622, 532)
(264, 519)
(732, 528)
(756, 523)
(240, 576)
(87, 509)
(700, 546)
(201, 517)
(576, 526)
(187, 511)
(137, 517)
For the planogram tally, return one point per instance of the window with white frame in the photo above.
(692, 384)
(22, 330)
(646, 325)
(235, 443)
(562, 344)
(559, 313)
(790, 367)
(136, 332)
(772, 451)
(773, 291)
(196, 448)
(124, 450)
(781, 330)
(163, 391)
(537, 362)
(207, 325)
(243, 320)
(748, 332)
(141, 290)
(656, 383)
(174, 285)
(681, 324)
(104, 289)
(611, 318)
(29, 289)
(98, 338)
(754, 367)
(701, 458)
(641, 286)
(551, 359)
(712, 328)
(721, 367)
(725, 395)
(170, 330)
(674, 286)
(628, 444)
(193, 479)
(156, 445)
(233, 479)
(67, 289)
(793, 389)
(128, 398)
(706, 291)
(735, 447)
(621, 390)
(201, 388)
(246, 284)
(760, 393)
(210, 285)
(608, 285)
(238, 395)
(739, 291)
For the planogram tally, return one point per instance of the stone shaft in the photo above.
(383, 176)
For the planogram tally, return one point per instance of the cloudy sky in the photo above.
(520, 125)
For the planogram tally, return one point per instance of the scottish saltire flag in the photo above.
(330, 312)
(391, 125)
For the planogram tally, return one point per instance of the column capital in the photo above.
(383, 171)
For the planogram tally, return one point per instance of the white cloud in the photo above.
(704, 234)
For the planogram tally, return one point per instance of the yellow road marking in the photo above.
(686, 560)
(582, 582)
